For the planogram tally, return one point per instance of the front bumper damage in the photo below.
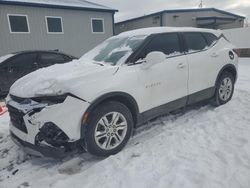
(43, 129)
(43, 151)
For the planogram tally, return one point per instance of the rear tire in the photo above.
(224, 89)
(108, 129)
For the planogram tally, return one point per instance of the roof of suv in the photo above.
(157, 30)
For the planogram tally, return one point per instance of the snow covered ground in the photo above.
(203, 148)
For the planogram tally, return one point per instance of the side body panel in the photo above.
(166, 81)
(205, 66)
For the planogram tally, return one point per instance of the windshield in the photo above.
(114, 50)
(3, 58)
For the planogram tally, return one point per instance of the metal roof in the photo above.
(184, 10)
(61, 4)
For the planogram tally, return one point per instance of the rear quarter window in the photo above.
(210, 38)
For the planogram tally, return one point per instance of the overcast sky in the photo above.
(133, 8)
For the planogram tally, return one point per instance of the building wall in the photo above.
(178, 19)
(76, 40)
(188, 19)
(150, 21)
(183, 19)
(236, 24)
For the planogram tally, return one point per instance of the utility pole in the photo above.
(201, 4)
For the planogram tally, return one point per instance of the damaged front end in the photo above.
(51, 135)
(39, 127)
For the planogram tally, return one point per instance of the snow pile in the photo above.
(59, 79)
(205, 147)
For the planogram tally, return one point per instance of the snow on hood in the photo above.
(59, 79)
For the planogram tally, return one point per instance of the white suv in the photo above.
(94, 103)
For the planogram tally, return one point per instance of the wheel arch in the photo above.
(227, 68)
(121, 97)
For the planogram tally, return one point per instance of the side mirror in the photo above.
(153, 58)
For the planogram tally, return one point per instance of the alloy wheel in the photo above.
(225, 89)
(110, 130)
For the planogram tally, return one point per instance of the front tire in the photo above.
(224, 89)
(108, 129)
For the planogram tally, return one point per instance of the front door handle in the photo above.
(36, 65)
(181, 66)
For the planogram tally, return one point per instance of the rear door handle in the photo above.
(214, 54)
(181, 66)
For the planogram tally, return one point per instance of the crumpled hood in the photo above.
(60, 79)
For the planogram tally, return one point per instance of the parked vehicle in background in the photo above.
(16, 65)
(119, 85)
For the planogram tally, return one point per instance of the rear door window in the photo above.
(195, 42)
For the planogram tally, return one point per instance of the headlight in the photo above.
(50, 100)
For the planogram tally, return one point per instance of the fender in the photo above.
(122, 97)
(229, 67)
